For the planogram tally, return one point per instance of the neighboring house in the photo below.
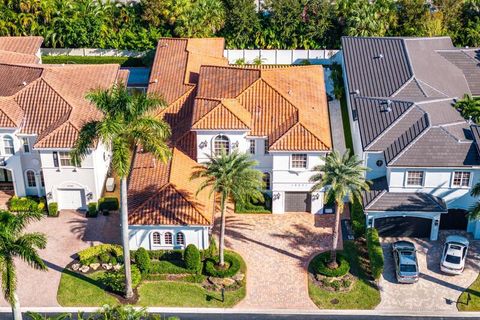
(423, 156)
(42, 108)
(277, 114)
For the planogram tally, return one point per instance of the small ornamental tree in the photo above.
(192, 257)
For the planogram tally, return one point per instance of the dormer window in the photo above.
(221, 144)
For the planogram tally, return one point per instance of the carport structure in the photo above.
(403, 214)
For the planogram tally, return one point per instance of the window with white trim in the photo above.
(65, 159)
(180, 238)
(415, 178)
(252, 146)
(30, 176)
(8, 145)
(221, 144)
(461, 179)
(156, 238)
(168, 238)
(26, 145)
(42, 179)
(299, 161)
(266, 146)
(266, 180)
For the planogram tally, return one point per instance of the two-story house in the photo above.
(279, 115)
(42, 109)
(423, 155)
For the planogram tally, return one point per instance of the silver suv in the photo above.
(406, 266)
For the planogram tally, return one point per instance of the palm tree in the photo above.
(469, 108)
(15, 243)
(343, 177)
(474, 212)
(231, 176)
(126, 123)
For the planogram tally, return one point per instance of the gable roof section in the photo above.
(15, 78)
(468, 63)
(19, 49)
(226, 114)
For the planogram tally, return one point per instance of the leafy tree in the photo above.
(242, 24)
(469, 108)
(230, 176)
(474, 211)
(15, 243)
(126, 123)
(343, 177)
(411, 14)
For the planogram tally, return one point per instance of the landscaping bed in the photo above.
(182, 276)
(353, 289)
(469, 300)
(255, 207)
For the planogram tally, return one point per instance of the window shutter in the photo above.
(55, 159)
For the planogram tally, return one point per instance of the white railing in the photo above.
(286, 57)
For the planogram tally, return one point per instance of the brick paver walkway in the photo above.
(276, 249)
(67, 234)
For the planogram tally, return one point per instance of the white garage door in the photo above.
(71, 199)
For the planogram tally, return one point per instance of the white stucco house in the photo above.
(42, 108)
(424, 157)
(278, 115)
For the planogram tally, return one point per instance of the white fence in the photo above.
(266, 56)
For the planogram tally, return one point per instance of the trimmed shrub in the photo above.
(168, 255)
(358, 219)
(211, 251)
(100, 250)
(92, 210)
(319, 265)
(115, 280)
(123, 61)
(255, 207)
(232, 262)
(375, 253)
(168, 267)
(192, 258)
(53, 209)
(108, 203)
(142, 259)
(26, 204)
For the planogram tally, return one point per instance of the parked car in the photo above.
(454, 254)
(406, 266)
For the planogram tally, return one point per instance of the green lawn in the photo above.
(82, 290)
(363, 295)
(469, 300)
(176, 294)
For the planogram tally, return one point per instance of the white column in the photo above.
(278, 202)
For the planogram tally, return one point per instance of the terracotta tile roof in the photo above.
(49, 100)
(19, 49)
(276, 99)
(162, 193)
(225, 114)
(177, 64)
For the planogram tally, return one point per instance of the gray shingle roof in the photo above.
(407, 201)
(417, 75)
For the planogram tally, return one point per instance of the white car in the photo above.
(454, 255)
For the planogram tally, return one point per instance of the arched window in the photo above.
(168, 238)
(30, 176)
(266, 180)
(180, 238)
(221, 143)
(8, 145)
(156, 238)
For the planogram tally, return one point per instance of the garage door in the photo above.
(297, 202)
(71, 199)
(403, 227)
(455, 219)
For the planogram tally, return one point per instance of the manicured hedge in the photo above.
(123, 61)
(375, 253)
(358, 219)
(168, 267)
(233, 266)
(108, 203)
(257, 207)
(319, 265)
(53, 209)
(142, 259)
(166, 254)
(99, 252)
(92, 210)
(26, 204)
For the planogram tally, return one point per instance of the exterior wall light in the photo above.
(49, 196)
(436, 222)
(276, 196)
(315, 196)
(203, 144)
(235, 145)
(89, 196)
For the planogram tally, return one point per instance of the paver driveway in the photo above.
(66, 235)
(276, 249)
(434, 290)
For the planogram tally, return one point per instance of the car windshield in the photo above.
(455, 247)
(452, 259)
(408, 268)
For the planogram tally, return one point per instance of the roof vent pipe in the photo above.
(356, 91)
(24, 83)
(380, 56)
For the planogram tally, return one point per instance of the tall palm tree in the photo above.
(126, 123)
(230, 176)
(343, 177)
(469, 108)
(15, 243)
